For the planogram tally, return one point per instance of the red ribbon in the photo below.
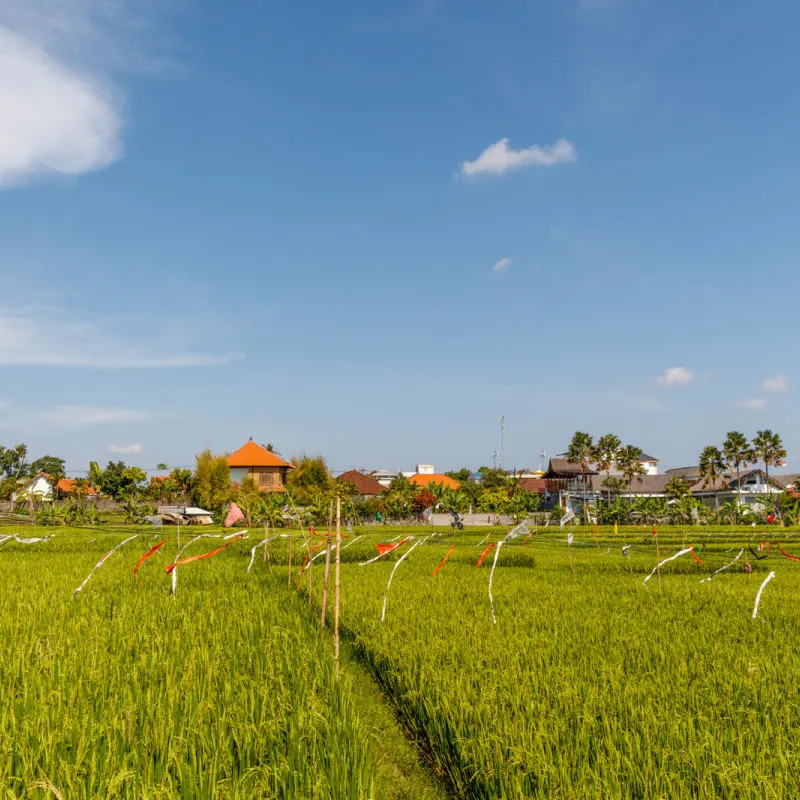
(444, 560)
(203, 555)
(697, 558)
(146, 556)
(527, 537)
(485, 553)
(383, 549)
(784, 553)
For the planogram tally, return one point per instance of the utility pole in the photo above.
(502, 442)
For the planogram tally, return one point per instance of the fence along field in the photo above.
(590, 684)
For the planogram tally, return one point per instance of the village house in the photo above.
(365, 486)
(267, 469)
(425, 475)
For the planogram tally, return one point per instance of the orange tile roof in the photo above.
(254, 455)
(67, 485)
(424, 481)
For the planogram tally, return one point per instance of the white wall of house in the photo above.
(39, 489)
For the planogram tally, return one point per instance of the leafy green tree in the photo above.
(51, 465)
(118, 480)
(461, 475)
(630, 465)
(605, 453)
(768, 448)
(14, 461)
(677, 487)
(712, 468)
(309, 477)
(492, 478)
(581, 452)
(212, 482)
(95, 476)
(737, 453)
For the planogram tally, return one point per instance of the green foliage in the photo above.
(51, 465)
(13, 461)
(118, 480)
(309, 479)
(212, 482)
(461, 475)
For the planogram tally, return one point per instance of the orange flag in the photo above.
(485, 553)
(444, 560)
(202, 556)
(146, 556)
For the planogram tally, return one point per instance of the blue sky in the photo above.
(370, 230)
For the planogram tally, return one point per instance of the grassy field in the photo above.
(589, 685)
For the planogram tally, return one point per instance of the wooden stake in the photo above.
(336, 583)
(323, 616)
(310, 549)
(179, 536)
(658, 557)
(291, 536)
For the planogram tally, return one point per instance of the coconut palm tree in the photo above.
(581, 452)
(737, 453)
(605, 454)
(768, 447)
(630, 465)
(712, 468)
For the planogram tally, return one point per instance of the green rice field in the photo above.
(589, 685)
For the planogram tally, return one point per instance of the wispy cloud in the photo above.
(754, 403)
(125, 449)
(501, 265)
(499, 158)
(776, 384)
(48, 337)
(77, 415)
(59, 102)
(676, 376)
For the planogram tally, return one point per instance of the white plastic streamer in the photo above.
(180, 553)
(391, 577)
(231, 535)
(723, 568)
(661, 563)
(4, 539)
(253, 549)
(322, 553)
(521, 530)
(102, 561)
(491, 578)
(568, 517)
(33, 540)
(385, 553)
(758, 596)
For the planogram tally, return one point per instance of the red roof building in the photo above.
(425, 479)
(365, 485)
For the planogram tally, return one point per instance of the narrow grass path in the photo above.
(399, 775)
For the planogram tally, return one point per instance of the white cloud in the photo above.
(125, 449)
(48, 337)
(501, 265)
(675, 376)
(76, 415)
(59, 102)
(498, 158)
(776, 384)
(754, 403)
(54, 119)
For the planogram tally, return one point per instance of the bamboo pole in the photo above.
(336, 583)
(324, 614)
(291, 536)
(310, 549)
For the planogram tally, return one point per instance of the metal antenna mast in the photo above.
(542, 455)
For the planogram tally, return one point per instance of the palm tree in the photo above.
(581, 451)
(605, 454)
(677, 487)
(630, 465)
(712, 467)
(768, 447)
(737, 452)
